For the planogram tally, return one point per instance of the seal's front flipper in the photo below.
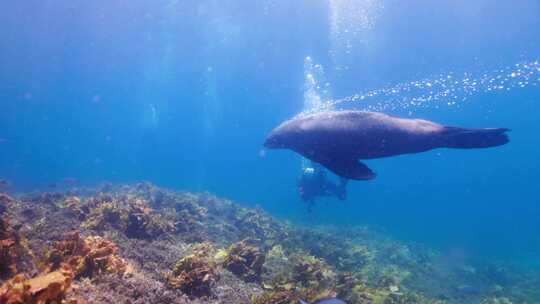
(349, 168)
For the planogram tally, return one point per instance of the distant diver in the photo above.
(313, 183)
(339, 139)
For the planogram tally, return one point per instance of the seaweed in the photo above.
(130, 215)
(198, 248)
(13, 247)
(245, 261)
(47, 288)
(88, 257)
(276, 297)
(194, 275)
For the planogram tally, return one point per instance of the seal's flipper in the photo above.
(349, 168)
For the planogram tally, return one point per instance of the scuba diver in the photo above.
(313, 183)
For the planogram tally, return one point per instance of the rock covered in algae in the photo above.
(276, 297)
(44, 289)
(196, 273)
(496, 300)
(12, 247)
(245, 261)
(88, 257)
(194, 276)
(313, 273)
(303, 275)
(128, 214)
(8, 249)
(307, 263)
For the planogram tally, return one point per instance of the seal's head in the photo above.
(282, 137)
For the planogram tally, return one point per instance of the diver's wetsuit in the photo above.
(313, 183)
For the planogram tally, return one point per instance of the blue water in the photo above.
(183, 93)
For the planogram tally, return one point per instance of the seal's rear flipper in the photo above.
(462, 138)
(349, 168)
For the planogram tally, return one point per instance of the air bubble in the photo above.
(445, 89)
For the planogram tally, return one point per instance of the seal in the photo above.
(339, 139)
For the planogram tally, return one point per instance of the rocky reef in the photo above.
(144, 244)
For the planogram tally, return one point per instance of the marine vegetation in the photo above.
(276, 297)
(88, 257)
(46, 288)
(144, 244)
(8, 249)
(194, 275)
(245, 261)
(13, 246)
(128, 214)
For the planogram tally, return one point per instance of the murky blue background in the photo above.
(182, 93)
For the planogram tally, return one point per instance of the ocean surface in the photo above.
(183, 94)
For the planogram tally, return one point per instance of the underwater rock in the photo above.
(88, 257)
(44, 289)
(193, 275)
(245, 261)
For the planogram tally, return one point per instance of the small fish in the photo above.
(4, 183)
(468, 290)
(70, 181)
(326, 301)
(52, 185)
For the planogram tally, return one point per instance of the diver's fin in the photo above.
(303, 302)
(349, 168)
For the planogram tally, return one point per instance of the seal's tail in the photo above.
(462, 138)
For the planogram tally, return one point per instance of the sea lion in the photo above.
(339, 139)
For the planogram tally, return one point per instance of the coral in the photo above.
(245, 261)
(44, 289)
(88, 257)
(194, 275)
